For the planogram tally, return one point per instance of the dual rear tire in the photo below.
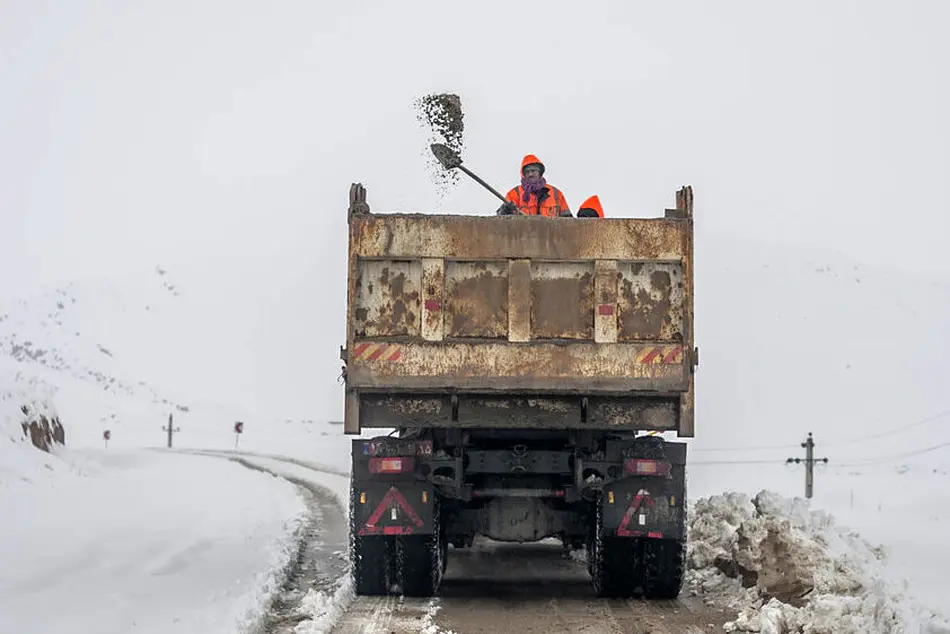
(626, 567)
(411, 565)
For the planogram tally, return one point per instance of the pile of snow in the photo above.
(786, 568)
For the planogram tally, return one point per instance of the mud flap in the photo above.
(642, 507)
(392, 508)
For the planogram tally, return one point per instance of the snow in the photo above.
(19, 460)
(801, 568)
(143, 541)
(324, 609)
(870, 545)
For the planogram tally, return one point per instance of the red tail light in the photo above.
(636, 466)
(392, 465)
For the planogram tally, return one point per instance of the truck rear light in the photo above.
(637, 466)
(391, 465)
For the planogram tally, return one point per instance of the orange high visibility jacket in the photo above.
(593, 204)
(552, 202)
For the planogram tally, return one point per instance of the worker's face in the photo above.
(532, 172)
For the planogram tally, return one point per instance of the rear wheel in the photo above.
(370, 556)
(664, 562)
(420, 560)
(613, 562)
(370, 560)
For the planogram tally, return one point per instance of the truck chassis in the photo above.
(620, 496)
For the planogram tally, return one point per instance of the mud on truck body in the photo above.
(522, 364)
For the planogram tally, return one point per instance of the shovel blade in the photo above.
(446, 156)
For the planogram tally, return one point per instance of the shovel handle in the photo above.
(483, 183)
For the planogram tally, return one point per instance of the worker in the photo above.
(591, 208)
(534, 197)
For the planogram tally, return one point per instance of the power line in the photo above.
(854, 463)
(893, 430)
(743, 448)
(897, 456)
(888, 432)
(695, 462)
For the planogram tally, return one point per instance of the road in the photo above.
(524, 588)
(488, 588)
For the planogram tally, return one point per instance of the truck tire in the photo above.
(664, 562)
(370, 556)
(420, 560)
(613, 562)
(370, 562)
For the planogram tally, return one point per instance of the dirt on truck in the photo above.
(524, 365)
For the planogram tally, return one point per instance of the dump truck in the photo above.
(520, 373)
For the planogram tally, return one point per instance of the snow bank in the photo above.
(322, 609)
(786, 568)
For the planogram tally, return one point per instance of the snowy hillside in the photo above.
(124, 353)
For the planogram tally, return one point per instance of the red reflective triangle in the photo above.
(622, 530)
(392, 495)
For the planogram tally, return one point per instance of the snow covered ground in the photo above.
(138, 540)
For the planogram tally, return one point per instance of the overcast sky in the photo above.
(136, 132)
(182, 132)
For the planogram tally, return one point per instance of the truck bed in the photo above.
(520, 321)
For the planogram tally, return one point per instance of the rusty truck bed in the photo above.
(515, 320)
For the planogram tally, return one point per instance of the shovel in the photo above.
(450, 160)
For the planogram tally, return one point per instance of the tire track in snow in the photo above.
(321, 561)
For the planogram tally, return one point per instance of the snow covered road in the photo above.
(148, 542)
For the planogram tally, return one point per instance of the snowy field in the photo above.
(141, 541)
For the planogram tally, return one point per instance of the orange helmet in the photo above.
(531, 159)
(590, 208)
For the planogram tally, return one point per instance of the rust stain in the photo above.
(651, 304)
(476, 299)
(562, 308)
(392, 304)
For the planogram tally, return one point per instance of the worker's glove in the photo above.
(508, 209)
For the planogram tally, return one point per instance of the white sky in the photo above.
(132, 133)
(226, 135)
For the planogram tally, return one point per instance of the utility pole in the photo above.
(810, 460)
(170, 429)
